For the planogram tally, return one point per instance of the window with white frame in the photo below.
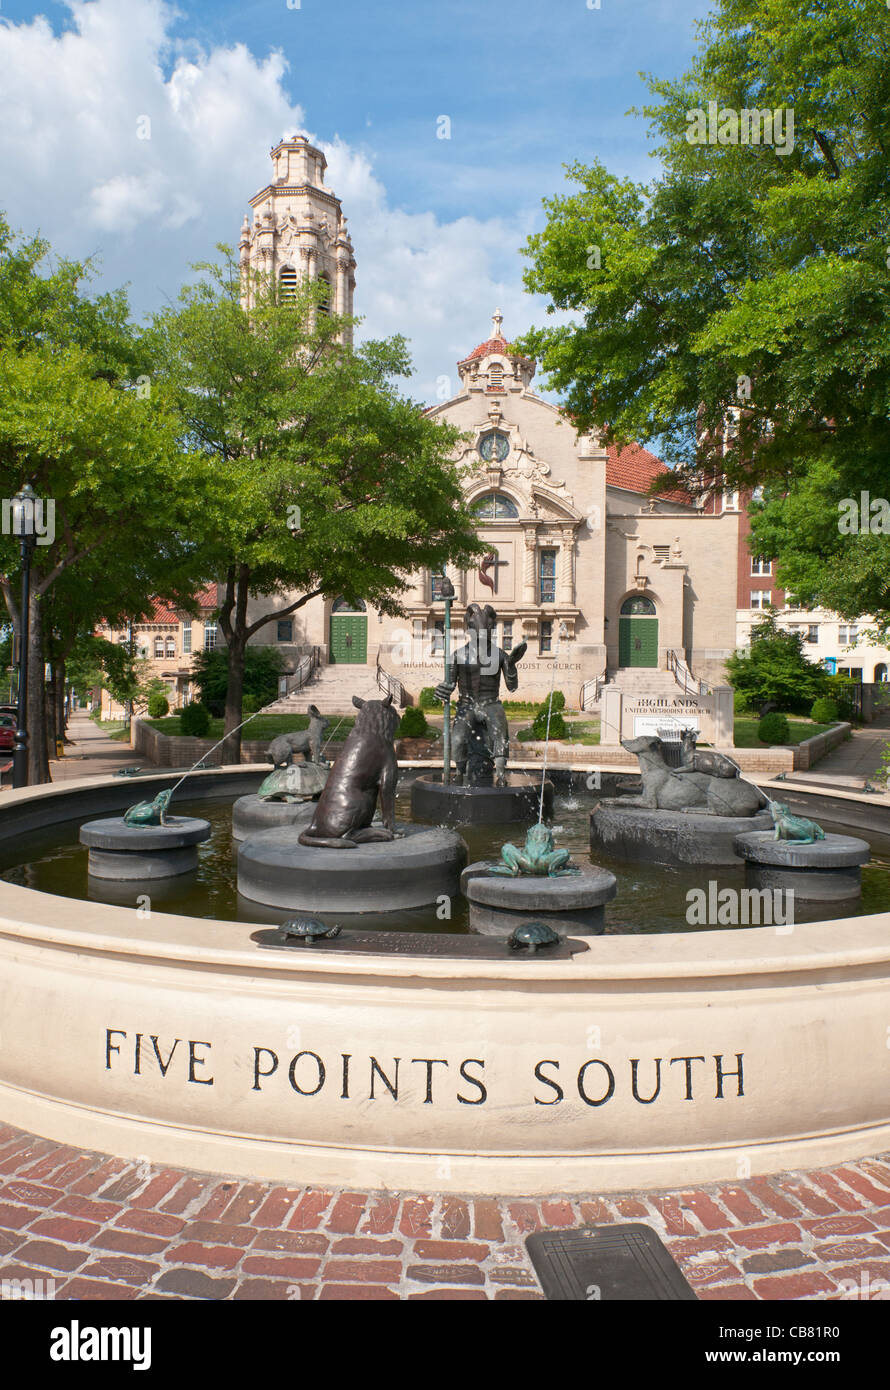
(761, 598)
(813, 632)
(186, 639)
(170, 644)
(847, 635)
(761, 566)
(159, 647)
(209, 637)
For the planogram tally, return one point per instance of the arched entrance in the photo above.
(637, 632)
(349, 633)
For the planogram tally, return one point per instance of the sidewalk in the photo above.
(91, 753)
(103, 1228)
(852, 763)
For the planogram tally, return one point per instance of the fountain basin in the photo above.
(573, 906)
(124, 852)
(669, 837)
(439, 804)
(421, 866)
(825, 871)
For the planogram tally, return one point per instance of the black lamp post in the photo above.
(23, 527)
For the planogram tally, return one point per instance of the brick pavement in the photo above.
(103, 1228)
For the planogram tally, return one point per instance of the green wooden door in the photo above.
(349, 638)
(637, 641)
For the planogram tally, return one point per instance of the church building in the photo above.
(609, 585)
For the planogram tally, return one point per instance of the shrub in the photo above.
(558, 700)
(194, 720)
(740, 702)
(413, 723)
(427, 698)
(158, 705)
(776, 669)
(773, 728)
(558, 727)
(262, 668)
(824, 711)
(249, 705)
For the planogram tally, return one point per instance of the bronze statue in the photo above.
(481, 738)
(282, 749)
(365, 770)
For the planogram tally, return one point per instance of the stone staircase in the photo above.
(330, 689)
(633, 681)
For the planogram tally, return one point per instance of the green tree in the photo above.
(776, 668)
(262, 668)
(750, 278)
(332, 481)
(79, 420)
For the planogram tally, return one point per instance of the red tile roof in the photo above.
(164, 612)
(634, 468)
(490, 345)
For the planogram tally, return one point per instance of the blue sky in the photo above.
(437, 224)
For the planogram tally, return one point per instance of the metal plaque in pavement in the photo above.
(605, 1263)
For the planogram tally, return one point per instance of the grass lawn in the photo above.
(118, 729)
(586, 731)
(798, 727)
(263, 727)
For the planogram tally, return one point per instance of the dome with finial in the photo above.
(497, 345)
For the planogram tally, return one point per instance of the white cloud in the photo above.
(74, 111)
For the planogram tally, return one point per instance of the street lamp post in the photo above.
(23, 527)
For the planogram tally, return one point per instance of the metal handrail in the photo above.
(587, 700)
(391, 685)
(683, 676)
(305, 668)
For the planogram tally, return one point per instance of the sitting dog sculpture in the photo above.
(365, 770)
(688, 789)
(306, 741)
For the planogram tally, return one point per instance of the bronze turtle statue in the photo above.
(533, 936)
(308, 930)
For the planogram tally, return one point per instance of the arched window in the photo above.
(881, 671)
(159, 646)
(495, 506)
(171, 646)
(325, 305)
(346, 605)
(638, 607)
(287, 284)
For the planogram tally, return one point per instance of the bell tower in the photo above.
(298, 231)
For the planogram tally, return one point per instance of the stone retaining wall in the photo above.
(165, 751)
(808, 753)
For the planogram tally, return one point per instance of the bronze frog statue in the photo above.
(149, 812)
(538, 857)
(790, 827)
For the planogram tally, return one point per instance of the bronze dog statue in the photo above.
(365, 770)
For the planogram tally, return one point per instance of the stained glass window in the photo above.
(495, 506)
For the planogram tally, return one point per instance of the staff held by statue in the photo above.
(446, 592)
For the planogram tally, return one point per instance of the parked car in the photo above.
(10, 709)
(7, 733)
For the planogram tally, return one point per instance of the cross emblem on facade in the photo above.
(491, 561)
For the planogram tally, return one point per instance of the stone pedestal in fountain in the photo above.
(825, 871)
(383, 876)
(573, 906)
(124, 852)
(436, 804)
(669, 837)
(251, 815)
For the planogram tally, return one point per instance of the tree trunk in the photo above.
(38, 759)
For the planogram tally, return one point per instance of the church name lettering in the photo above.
(654, 702)
(347, 1076)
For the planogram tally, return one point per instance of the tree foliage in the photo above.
(775, 667)
(747, 278)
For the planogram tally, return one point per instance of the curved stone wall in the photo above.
(641, 1061)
